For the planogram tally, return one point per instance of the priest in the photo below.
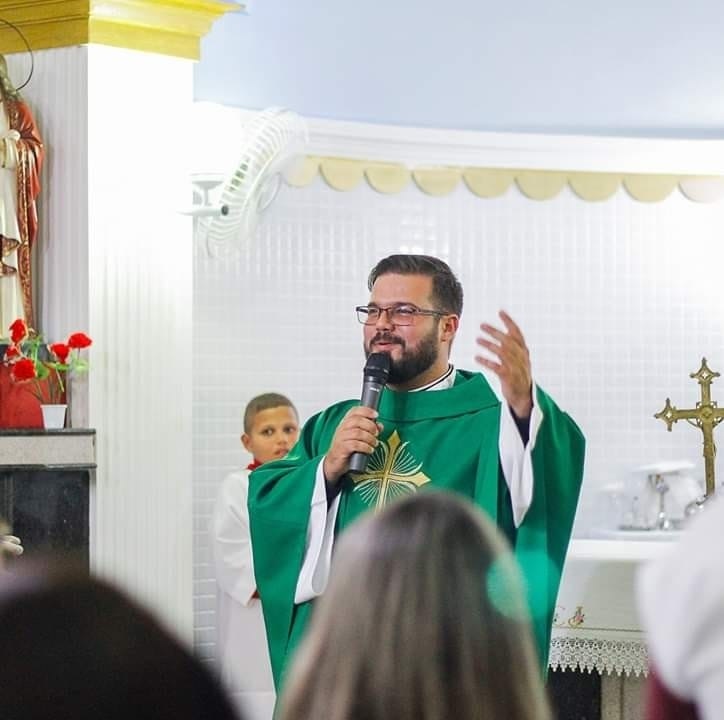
(436, 428)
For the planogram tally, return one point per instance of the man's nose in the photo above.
(385, 318)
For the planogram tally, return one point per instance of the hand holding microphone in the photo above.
(356, 436)
(375, 374)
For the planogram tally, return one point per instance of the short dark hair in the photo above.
(265, 401)
(447, 292)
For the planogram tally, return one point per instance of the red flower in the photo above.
(23, 369)
(79, 340)
(27, 361)
(18, 331)
(61, 351)
(12, 352)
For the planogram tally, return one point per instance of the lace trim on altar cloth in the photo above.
(623, 657)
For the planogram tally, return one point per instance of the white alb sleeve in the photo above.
(231, 539)
(516, 459)
(314, 574)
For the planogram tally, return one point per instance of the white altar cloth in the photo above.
(596, 625)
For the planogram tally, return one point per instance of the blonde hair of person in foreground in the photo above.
(423, 619)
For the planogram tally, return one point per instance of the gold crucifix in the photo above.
(706, 416)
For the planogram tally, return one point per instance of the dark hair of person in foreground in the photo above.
(423, 619)
(76, 648)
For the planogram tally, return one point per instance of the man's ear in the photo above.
(449, 327)
(245, 440)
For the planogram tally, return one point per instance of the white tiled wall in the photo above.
(618, 301)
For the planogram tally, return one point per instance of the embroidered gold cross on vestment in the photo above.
(391, 471)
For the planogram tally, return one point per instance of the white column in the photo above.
(115, 261)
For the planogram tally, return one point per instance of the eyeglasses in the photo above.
(397, 314)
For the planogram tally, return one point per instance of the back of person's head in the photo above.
(423, 619)
(76, 648)
(266, 401)
(447, 292)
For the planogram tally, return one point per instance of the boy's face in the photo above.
(273, 432)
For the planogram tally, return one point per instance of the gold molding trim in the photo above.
(595, 187)
(344, 174)
(387, 177)
(165, 27)
(437, 181)
(302, 172)
(488, 183)
(650, 188)
(540, 184)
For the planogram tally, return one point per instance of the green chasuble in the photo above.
(441, 439)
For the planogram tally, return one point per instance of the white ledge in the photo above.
(52, 449)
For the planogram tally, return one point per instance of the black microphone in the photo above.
(375, 374)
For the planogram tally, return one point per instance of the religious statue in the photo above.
(21, 157)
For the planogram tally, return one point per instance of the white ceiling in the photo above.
(633, 67)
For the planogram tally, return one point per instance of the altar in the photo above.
(596, 627)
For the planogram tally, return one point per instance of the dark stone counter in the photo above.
(45, 489)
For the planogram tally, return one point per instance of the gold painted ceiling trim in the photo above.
(344, 174)
(437, 181)
(166, 27)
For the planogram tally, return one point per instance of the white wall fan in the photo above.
(273, 143)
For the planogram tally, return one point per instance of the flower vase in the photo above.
(53, 416)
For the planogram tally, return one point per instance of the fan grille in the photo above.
(272, 137)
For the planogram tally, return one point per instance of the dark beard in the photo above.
(411, 364)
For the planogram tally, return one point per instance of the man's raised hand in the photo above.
(511, 363)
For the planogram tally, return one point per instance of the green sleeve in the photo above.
(280, 494)
(541, 541)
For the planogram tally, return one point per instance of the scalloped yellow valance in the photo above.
(345, 174)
